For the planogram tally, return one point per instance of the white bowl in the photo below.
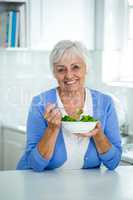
(78, 127)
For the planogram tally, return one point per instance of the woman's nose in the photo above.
(69, 74)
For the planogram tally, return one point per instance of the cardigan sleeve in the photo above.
(36, 126)
(113, 156)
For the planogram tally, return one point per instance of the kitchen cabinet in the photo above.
(1, 149)
(14, 31)
(56, 20)
(44, 22)
(13, 147)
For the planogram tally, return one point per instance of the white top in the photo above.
(76, 146)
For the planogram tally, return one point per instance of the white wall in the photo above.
(22, 75)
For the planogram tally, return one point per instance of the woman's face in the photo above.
(70, 72)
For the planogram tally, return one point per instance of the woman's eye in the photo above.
(76, 67)
(61, 70)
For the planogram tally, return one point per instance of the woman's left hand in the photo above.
(96, 131)
(101, 141)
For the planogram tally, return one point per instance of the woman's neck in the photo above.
(72, 100)
(80, 93)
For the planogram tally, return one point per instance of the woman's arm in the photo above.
(47, 143)
(109, 147)
(108, 141)
(37, 127)
(101, 141)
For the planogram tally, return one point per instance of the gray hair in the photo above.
(62, 46)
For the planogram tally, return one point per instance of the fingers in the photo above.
(89, 134)
(52, 115)
(96, 130)
(98, 125)
(49, 108)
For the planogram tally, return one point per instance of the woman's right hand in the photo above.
(47, 143)
(53, 116)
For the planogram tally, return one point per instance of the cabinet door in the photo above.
(1, 149)
(52, 21)
(13, 147)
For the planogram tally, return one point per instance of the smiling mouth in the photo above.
(70, 82)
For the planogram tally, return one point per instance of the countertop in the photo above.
(15, 127)
(98, 184)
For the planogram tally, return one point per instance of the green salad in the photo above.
(84, 118)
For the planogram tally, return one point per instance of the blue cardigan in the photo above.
(103, 110)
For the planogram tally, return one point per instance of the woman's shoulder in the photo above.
(44, 96)
(99, 95)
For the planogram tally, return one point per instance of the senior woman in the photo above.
(48, 145)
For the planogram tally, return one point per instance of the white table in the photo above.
(68, 185)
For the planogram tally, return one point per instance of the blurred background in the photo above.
(104, 26)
